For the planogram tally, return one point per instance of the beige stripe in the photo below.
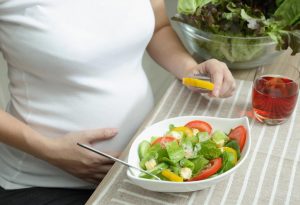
(291, 184)
(282, 156)
(144, 197)
(228, 187)
(120, 202)
(266, 163)
(212, 189)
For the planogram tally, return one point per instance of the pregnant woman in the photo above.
(76, 75)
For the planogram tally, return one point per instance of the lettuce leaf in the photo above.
(175, 152)
(190, 6)
(199, 164)
(210, 150)
(288, 12)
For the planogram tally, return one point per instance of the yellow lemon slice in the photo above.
(198, 83)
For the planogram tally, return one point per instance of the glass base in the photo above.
(269, 121)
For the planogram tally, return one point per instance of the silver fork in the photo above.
(116, 160)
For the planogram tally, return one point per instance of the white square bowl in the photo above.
(159, 128)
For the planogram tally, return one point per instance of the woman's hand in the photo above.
(224, 83)
(67, 155)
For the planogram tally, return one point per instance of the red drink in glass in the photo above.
(274, 98)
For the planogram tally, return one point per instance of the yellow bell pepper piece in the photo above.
(198, 83)
(188, 131)
(171, 176)
(232, 153)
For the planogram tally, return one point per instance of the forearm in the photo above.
(18, 135)
(172, 55)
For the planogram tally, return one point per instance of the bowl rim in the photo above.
(199, 32)
(229, 172)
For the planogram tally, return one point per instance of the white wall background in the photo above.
(159, 78)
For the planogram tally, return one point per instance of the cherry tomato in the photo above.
(215, 165)
(199, 125)
(239, 134)
(163, 140)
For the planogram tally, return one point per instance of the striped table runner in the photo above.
(270, 175)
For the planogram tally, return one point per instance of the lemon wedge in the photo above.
(198, 83)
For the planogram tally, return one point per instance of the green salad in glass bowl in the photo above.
(241, 33)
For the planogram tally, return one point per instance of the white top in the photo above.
(73, 65)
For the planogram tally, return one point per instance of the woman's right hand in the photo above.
(67, 155)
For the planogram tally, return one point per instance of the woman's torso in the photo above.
(73, 65)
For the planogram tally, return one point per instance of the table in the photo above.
(271, 174)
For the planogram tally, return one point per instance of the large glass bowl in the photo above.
(236, 52)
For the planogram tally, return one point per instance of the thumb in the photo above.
(101, 134)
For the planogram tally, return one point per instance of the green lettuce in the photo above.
(199, 164)
(277, 19)
(175, 152)
(190, 6)
(288, 12)
(210, 150)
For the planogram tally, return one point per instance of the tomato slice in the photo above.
(215, 165)
(199, 125)
(239, 134)
(163, 140)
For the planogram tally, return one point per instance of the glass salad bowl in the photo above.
(236, 52)
(171, 185)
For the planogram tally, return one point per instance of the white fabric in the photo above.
(73, 65)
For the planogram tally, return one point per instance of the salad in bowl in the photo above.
(242, 33)
(190, 152)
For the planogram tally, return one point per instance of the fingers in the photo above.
(224, 83)
(107, 161)
(100, 134)
(80, 162)
(217, 79)
(228, 86)
(95, 160)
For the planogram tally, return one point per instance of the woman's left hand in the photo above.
(224, 83)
